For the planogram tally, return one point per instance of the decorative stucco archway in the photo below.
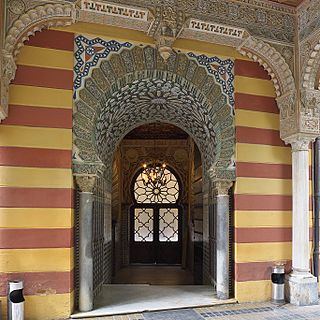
(135, 86)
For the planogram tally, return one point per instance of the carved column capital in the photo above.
(221, 187)
(299, 142)
(86, 183)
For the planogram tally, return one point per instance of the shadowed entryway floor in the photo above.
(154, 275)
(123, 299)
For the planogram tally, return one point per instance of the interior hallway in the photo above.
(154, 275)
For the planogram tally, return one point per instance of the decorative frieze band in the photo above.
(114, 10)
(216, 28)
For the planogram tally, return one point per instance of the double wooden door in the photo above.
(155, 234)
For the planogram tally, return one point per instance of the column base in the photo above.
(301, 290)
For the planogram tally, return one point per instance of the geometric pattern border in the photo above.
(88, 54)
(222, 70)
(90, 51)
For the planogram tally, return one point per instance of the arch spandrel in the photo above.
(181, 92)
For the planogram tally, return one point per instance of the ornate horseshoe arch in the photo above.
(36, 19)
(134, 87)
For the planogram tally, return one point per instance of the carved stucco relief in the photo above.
(134, 87)
(24, 20)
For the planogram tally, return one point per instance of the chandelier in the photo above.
(153, 174)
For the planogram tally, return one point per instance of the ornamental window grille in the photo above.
(166, 190)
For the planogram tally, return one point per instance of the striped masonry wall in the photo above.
(36, 185)
(263, 202)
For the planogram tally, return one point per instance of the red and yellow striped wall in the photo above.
(263, 187)
(36, 186)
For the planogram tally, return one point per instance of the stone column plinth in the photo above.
(222, 238)
(302, 286)
(86, 185)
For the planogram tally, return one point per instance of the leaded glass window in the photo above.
(159, 192)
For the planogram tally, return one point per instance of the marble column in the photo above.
(302, 286)
(222, 238)
(86, 185)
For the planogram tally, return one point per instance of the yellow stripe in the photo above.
(255, 252)
(109, 32)
(254, 86)
(41, 177)
(250, 291)
(122, 34)
(36, 218)
(263, 186)
(256, 153)
(207, 48)
(256, 119)
(45, 306)
(36, 260)
(50, 138)
(46, 58)
(255, 219)
(35, 177)
(40, 97)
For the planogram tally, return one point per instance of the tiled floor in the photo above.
(245, 311)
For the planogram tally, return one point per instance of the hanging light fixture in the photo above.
(154, 170)
(154, 174)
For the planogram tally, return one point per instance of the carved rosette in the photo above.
(221, 187)
(86, 183)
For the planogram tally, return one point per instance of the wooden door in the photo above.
(155, 234)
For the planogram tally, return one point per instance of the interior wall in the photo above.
(197, 217)
(36, 187)
(263, 201)
(116, 202)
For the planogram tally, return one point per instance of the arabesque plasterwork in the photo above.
(135, 86)
(268, 35)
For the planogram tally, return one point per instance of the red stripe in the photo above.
(255, 271)
(255, 103)
(249, 235)
(36, 238)
(52, 39)
(44, 77)
(39, 117)
(39, 283)
(34, 157)
(263, 170)
(250, 69)
(36, 197)
(262, 202)
(259, 136)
